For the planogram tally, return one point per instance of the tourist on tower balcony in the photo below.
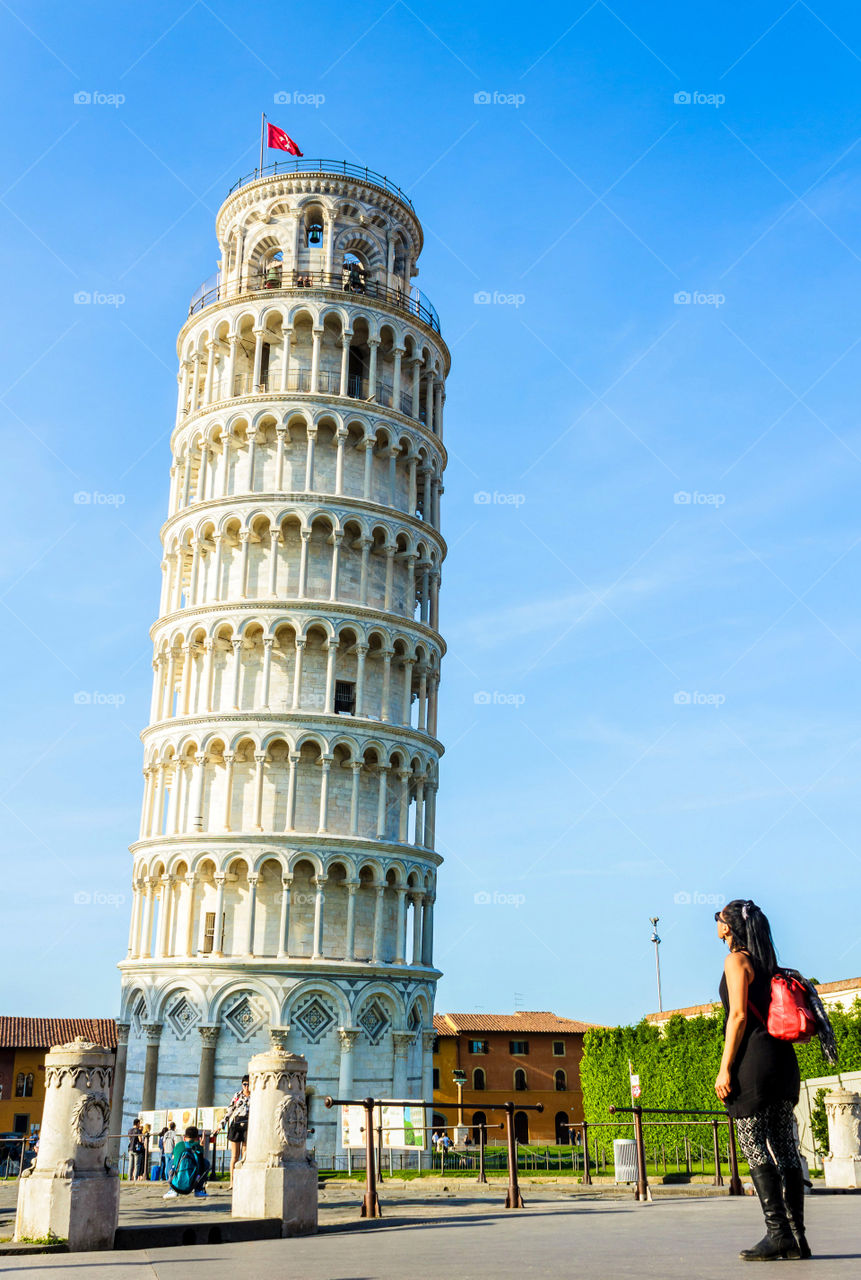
(759, 1081)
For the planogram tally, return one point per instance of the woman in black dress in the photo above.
(759, 1081)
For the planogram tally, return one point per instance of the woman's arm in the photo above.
(738, 972)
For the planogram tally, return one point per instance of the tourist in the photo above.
(168, 1143)
(758, 1081)
(236, 1122)
(146, 1140)
(190, 1167)
(136, 1150)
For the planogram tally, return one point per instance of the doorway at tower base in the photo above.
(278, 1176)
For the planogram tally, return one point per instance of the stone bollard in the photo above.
(843, 1163)
(72, 1192)
(277, 1178)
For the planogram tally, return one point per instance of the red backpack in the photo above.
(790, 1016)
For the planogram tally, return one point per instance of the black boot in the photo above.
(793, 1195)
(778, 1242)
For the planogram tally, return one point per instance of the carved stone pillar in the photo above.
(73, 1191)
(277, 1178)
(843, 1163)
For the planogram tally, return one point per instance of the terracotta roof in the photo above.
(848, 984)
(542, 1020)
(692, 1011)
(705, 1010)
(44, 1033)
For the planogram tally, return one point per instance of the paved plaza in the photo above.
(464, 1232)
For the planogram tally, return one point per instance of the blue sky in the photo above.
(671, 711)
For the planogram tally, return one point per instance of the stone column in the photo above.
(401, 1041)
(843, 1163)
(377, 955)
(118, 1091)
(150, 1080)
(206, 1075)
(350, 942)
(73, 1191)
(428, 1038)
(284, 927)
(277, 1178)
(348, 1037)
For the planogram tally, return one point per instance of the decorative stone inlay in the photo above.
(245, 1017)
(374, 1021)
(182, 1016)
(315, 1018)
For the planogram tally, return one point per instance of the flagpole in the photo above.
(262, 129)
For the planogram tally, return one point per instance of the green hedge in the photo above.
(678, 1068)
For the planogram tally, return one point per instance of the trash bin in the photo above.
(625, 1159)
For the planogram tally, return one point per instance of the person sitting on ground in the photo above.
(190, 1167)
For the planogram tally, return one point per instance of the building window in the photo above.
(561, 1082)
(520, 1080)
(345, 698)
(436, 1044)
(479, 1046)
(518, 1046)
(436, 1077)
(209, 933)
(558, 1048)
(478, 1079)
(521, 1126)
(24, 1085)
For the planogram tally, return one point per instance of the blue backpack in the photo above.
(188, 1170)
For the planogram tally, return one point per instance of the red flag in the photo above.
(281, 141)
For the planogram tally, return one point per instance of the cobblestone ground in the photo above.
(464, 1231)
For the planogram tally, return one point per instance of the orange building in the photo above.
(523, 1057)
(23, 1045)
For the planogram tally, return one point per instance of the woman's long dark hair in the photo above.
(751, 932)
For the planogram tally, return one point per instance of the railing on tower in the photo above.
(344, 281)
(325, 166)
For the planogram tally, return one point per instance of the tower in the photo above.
(285, 873)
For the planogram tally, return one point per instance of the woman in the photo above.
(237, 1123)
(758, 1081)
(143, 1164)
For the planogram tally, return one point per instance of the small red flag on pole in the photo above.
(281, 141)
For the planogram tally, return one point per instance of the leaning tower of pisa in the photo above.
(285, 873)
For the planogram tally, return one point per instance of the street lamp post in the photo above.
(459, 1078)
(657, 941)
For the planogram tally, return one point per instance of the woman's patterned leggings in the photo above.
(767, 1137)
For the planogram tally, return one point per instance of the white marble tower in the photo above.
(285, 873)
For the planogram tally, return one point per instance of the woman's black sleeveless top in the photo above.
(765, 1070)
